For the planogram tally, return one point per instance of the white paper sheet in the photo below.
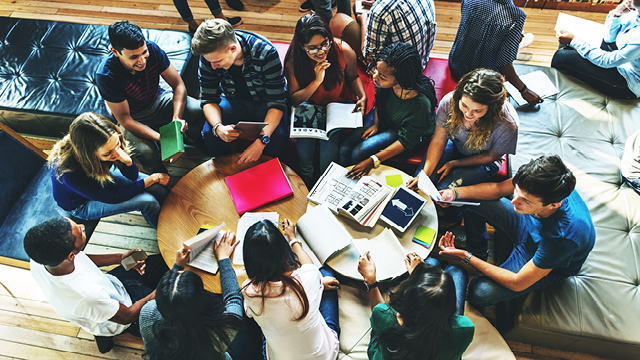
(536, 81)
(244, 223)
(385, 250)
(332, 187)
(589, 30)
(426, 186)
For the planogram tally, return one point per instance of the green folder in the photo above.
(171, 141)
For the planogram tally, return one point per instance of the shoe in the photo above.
(527, 39)
(105, 343)
(192, 30)
(234, 20)
(236, 5)
(306, 6)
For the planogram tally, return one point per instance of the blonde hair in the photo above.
(211, 36)
(77, 150)
(485, 87)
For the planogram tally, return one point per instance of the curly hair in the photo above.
(50, 242)
(485, 87)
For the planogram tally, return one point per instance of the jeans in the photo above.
(460, 176)
(247, 345)
(160, 113)
(236, 110)
(500, 214)
(324, 10)
(185, 12)
(307, 148)
(353, 149)
(460, 280)
(634, 184)
(607, 81)
(148, 203)
(329, 304)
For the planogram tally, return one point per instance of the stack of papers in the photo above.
(537, 81)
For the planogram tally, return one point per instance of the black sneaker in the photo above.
(234, 20)
(236, 5)
(306, 6)
(105, 343)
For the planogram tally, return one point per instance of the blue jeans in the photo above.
(236, 110)
(307, 149)
(460, 280)
(185, 12)
(329, 304)
(634, 184)
(148, 203)
(460, 176)
(353, 149)
(500, 214)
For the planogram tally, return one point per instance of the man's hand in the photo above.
(184, 126)
(623, 8)
(330, 283)
(227, 133)
(289, 229)
(368, 3)
(141, 264)
(224, 248)
(361, 169)
(411, 261)
(367, 268)
(372, 130)
(320, 70)
(564, 36)
(361, 105)
(447, 246)
(252, 153)
(182, 255)
(531, 97)
(446, 195)
(446, 169)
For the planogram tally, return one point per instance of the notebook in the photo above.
(258, 186)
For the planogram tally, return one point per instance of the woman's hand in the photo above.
(411, 261)
(182, 255)
(446, 169)
(320, 70)
(224, 248)
(161, 178)
(367, 268)
(123, 157)
(564, 37)
(372, 130)
(361, 169)
(413, 183)
(289, 229)
(330, 283)
(361, 105)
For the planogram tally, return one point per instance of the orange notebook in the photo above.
(258, 186)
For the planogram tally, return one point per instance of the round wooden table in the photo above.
(201, 198)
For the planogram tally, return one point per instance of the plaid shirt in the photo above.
(261, 68)
(409, 21)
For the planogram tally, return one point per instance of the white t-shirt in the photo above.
(308, 338)
(86, 297)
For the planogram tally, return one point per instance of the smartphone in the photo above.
(131, 261)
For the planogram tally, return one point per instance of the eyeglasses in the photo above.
(324, 47)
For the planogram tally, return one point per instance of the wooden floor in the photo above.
(29, 328)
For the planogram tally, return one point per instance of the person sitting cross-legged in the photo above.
(547, 221)
(104, 305)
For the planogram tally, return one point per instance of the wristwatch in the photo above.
(466, 260)
(265, 139)
(294, 241)
(376, 161)
(370, 287)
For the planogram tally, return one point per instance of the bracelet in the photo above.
(157, 177)
(466, 260)
(294, 241)
(523, 88)
(376, 161)
(456, 192)
(215, 127)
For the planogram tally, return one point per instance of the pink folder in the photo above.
(258, 186)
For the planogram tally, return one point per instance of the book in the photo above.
(171, 141)
(318, 122)
(403, 208)
(323, 233)
(365, 199)
(332, 186)
(249, 129)
(426, 186)
(202, 256)
(258, 186)
(536, 81)
(248, 219)
(385, 250)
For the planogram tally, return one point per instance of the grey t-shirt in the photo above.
(503, 138)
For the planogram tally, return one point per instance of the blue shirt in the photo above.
(625, 32)
(563, 240)
(488, 36)
(116, 84)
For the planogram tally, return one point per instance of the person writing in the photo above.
(424, 317)
(321, 69)
(93, 175)
(475, 127)
(614, 68)
(403, 117)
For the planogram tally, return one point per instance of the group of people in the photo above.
(288, 309)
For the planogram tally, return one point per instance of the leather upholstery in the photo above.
(47, 71)
(597, 311)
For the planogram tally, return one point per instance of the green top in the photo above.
(383, 317)
(414, 118)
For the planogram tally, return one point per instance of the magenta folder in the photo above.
(258, 186)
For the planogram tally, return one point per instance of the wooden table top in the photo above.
(201, 198)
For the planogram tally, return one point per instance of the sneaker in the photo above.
(234, 20)
(306, 6)
(105, 343)
(236, 5)
(527, 39)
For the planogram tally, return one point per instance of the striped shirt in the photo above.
(409, 21)
(262, 71)
(141, 89)
(488, 36)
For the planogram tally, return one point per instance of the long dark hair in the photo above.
(426, 302)
(307, 27)
(268, 257)
(194, 324)
(406, 65)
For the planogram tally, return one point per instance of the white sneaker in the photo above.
(527, 39)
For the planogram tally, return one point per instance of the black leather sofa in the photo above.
(47, 71)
